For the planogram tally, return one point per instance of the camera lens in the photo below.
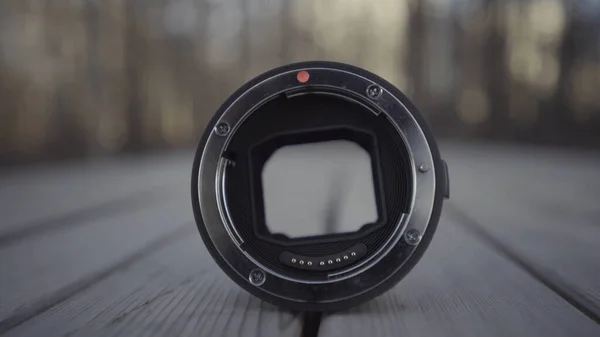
(253, 221)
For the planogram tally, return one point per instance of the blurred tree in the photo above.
(134, 54)
(416, 61)
(93, 77)
(496, 74)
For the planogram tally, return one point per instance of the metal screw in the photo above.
(257, 277)
(423, 168)
(345, 257)
(301, 262)
(412, 237)
(293, 260)
(222, 129)
(330, 262)
(374, 91)
(322, 263)
(338, 260)
(353, 254)
(309, 263)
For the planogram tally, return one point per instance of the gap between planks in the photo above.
(80, 217)
(554, 282)
(311, 322)
(68, 291)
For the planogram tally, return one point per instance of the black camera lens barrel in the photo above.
(369, 263)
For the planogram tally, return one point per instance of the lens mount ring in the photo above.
(385, 268)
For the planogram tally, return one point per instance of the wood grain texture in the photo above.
(462, 288)
(541, 205)
(36, 269)
(31, 197)
(177, 291)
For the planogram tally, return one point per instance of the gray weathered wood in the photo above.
(541, 205)
(462, 288)
(154, 277)
(36, 269)
(177, 291)
(30, 197)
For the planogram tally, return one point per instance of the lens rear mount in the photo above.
(312, 102)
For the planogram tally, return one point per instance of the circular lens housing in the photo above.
(304, 103)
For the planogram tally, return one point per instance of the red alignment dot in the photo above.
(302, 76)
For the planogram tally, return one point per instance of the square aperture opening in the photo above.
(315, 185)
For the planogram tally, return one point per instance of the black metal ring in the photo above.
(384, 268)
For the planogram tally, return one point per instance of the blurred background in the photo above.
(115, 94)
(89, 78)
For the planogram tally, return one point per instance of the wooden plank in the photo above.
(177, 291)
(540, 205)
(462, 288)
(44, 268)
(57, 193)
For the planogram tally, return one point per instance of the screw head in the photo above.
(412, 237)
(222, 129)
(423, 168)
(322, 263)
(309, 263)
(257, 277)
(374, 91)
